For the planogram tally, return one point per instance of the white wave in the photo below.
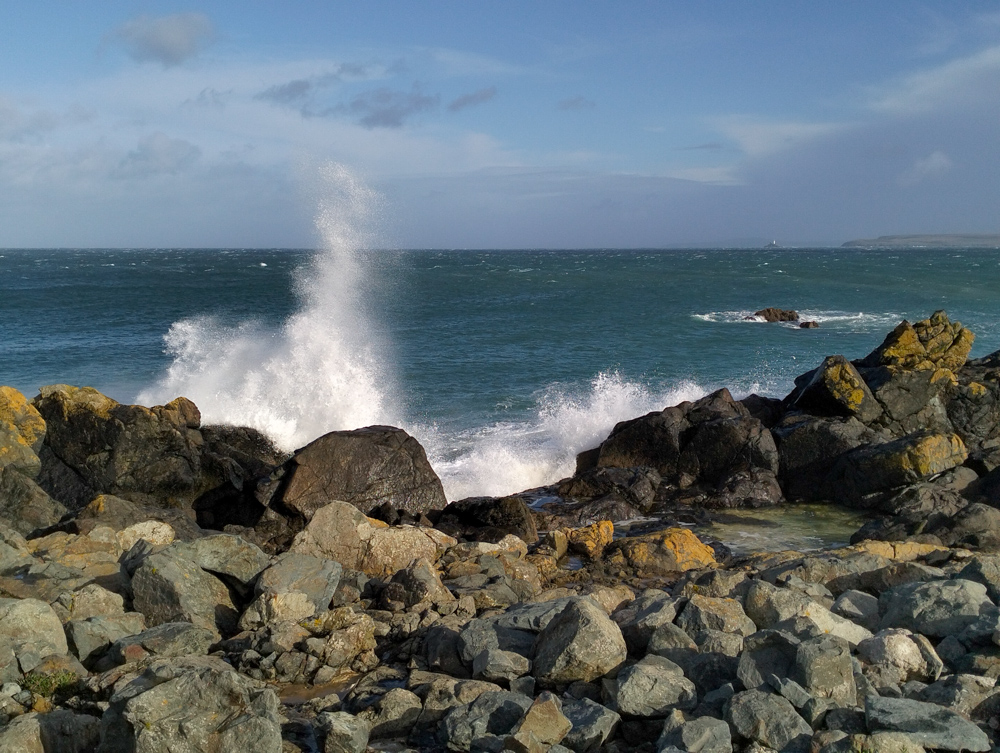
(861, 318)
(323, 369)
(508, 457)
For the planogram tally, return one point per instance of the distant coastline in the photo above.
(927, 241)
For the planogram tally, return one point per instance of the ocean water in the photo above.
(504, 364)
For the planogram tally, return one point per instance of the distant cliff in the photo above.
(927, 241)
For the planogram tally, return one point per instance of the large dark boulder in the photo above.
(835, 389)
(489, 519)
(974, 404)
(368, 467)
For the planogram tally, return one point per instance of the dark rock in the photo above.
(119, 514)
(652, 687)
(554, 515)
(89, 638)
(637, 486)
(640, 618)
(492, 713)
(771, 314)
(593, 725)
(768, 410)
(171, 639)
(342, 732)
(769, 720)
(24, 505)
(912, 400)
(835, 389)
(580, 643)
(809, 325)
(489, 519)
(365, 467)
(925, 724)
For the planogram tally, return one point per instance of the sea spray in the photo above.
(322, 369)
(507, 457)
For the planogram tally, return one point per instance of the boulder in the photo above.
(342, 732)
(702, 735)
(581, 643)
(835, 389)
(593, 724)
(239, 562)
(668, 551)
(823, 666)
(366, 468)
(29, 630)
(57, 731)
(489, 519)
(492, 713)
(169, 588)
(543, 724)
(912, 400)
(315, 578)
(769, 720)
(936, 608)
(196, 703)
(652, 687)
(707, 613)
(772, 314)
(22, 430)
(90, 637)
(640, 618)
(166, 640)
(933, 343)
(925, 724)
(883, 467)
(24, 505)
(637, 486)
(122, 514)
(768, 605)
(340, 532)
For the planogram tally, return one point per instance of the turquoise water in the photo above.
(503, 363)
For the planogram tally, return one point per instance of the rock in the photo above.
(766, 653)
(707, 613)
(342, 732)
(934, 343)
(652, 687)
(290, 573)
(912, 400)
(492, 713)
(771, 314)
(858, 607)
(835, 389)
(593, 539)
(768, 605)
(92, 636)
(166, 640)
(239, 562)
(639, 619)
(593, 724)
(702, 735)
(421, 582)
(935, 608)
(155, 532)
(341, 533)
(496, 665)
(895, 648)
(480, 635)
(29, 630)
(913, 458)
(668, 551)
(169, 588)
(824, 668)
(809, 446)
(637, 486)
(198, 703)
(969, 695)
(768, 720)
(394, 714)
(543, 723)
(580, 643)
(365, 468)
(123, 515)
(985, 569)
(489, 519)
(22, 430)
(926, 724)
(24, 505)
(809, 325)
(57, 731)
(975, 525)
(148, 454)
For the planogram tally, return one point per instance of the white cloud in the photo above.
(927, 168)
(169, 40)
(757, 138)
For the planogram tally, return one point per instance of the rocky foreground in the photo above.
(167, 586)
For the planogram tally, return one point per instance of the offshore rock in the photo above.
(772, 314)
(197, 703)
(366, 468)
(669, 551)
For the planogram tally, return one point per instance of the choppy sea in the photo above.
(504, 364)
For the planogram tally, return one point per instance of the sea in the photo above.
(503, 364)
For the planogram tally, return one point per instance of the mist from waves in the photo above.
(323, 368)
(327, 368)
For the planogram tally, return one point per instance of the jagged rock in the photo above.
(122, 514)
(702, 735)
(769, 720)
(480, 635)
(933, 343)
(768, 605)
(896, 648)
(936, 608)
(765, 653)
(196, 703)
(669, 551)
(835, 389)
(975, 525)
(492, 713)
(823, 667)
(343, 732)
(366, 468)
(341, 533)
(591, 540)
(580, 643)
(926, 724)
(543, 724)
(912, 400)
(706, 613)
(561, 514)
(24, 505)
(421, 582)
(772, 314)
(169, 588)
(639, 619)
(92, 636)
(652, 687)
(496, 665)
(985, 569)
(292, 572)
(858, 607)
(225, 555)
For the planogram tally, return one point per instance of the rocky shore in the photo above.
(171, 586)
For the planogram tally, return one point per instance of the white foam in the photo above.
(322, 369)
(508, 457)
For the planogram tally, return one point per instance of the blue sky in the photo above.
(499, 124)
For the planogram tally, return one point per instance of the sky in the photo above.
(498, 124)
